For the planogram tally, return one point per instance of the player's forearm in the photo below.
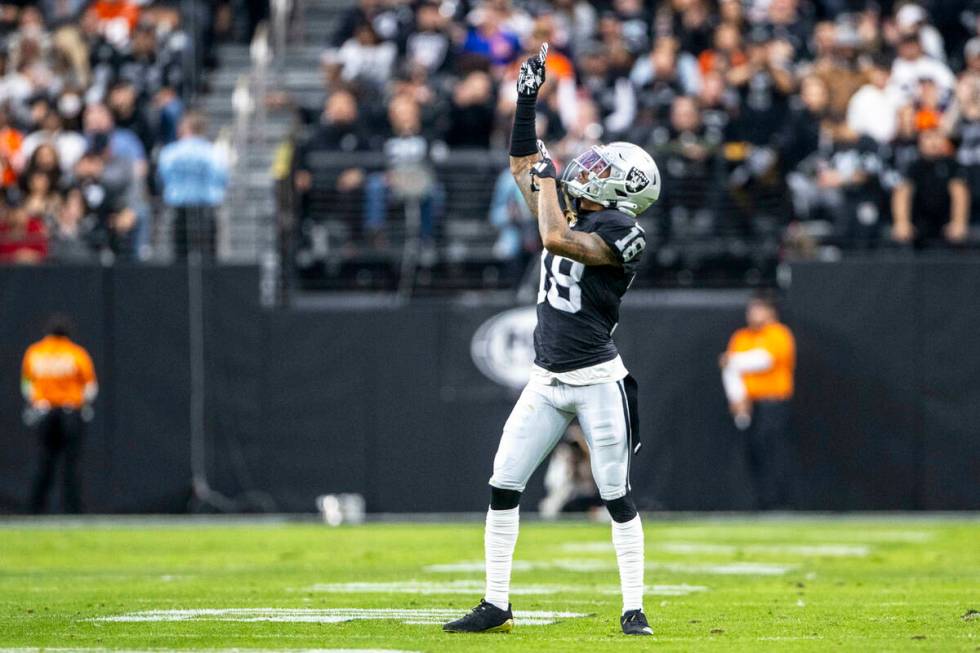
(559, 239)
(520, 168)
(552, 224)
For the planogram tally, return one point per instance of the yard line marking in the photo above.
(476, 586)
(423, 587)
(698, 548)
(584, 566)
(807, 550)
(730, 569)
(428, 616)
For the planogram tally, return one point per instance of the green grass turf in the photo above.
(910, 592)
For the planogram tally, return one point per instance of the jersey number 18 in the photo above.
(559, 283)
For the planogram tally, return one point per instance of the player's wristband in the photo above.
(523, 139)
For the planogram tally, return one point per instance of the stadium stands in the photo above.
(785, 130)
(782, 128)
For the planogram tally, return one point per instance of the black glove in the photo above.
(543, 168)
(531, 77)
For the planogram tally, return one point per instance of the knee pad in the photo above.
(622, 509)
(503, 499)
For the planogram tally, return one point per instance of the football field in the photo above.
(738, 584)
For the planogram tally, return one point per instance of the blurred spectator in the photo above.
(429, 45)
(841, 73)
(726, 51)
(11, 150)
(194, 175)
(407, 154)
(717, 102)
(787, 23)
(70, 145)
(764, 83)
(912, 18)
(967, 124)
(634, 19)
(758, 375)
(913, 65)
(148, 66)
(575, 23)
(471, 112)
(340, 131)
(661, 77)
(873, 110)
(612, 93)
(115, 19)
(23, 237)
(69, 232)
(40, 196)
(932, 203)
(489, 37)
(58, 383)
(363, 58)
(518, 240)
(685, 151)
(127, 115)
(123, 143)
(384, 19)
(109, 188)
(801, 134)
(44, 159)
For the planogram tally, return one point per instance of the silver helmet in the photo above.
(631, 184)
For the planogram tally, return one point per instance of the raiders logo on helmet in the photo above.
(636, 180)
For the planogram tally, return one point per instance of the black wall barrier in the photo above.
(388, 401)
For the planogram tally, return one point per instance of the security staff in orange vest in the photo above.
(757, 372)
(58, 381)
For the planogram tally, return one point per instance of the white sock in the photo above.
(627, 539)
(499, 539)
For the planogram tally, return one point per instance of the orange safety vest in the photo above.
(57, 371)
(776, 383)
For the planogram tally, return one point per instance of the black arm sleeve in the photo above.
(523, 139)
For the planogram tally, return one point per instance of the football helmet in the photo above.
(618, 176)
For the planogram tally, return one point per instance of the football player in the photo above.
(592, 248)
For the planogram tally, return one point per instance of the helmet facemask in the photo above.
(598, 177)
(584, 176)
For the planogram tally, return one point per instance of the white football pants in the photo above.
(539, 420)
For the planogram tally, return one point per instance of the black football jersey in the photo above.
(578, 305)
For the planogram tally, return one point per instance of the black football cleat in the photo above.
(484, 618)
(634, 622)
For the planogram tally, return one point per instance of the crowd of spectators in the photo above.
(860, 116)
(90, 93)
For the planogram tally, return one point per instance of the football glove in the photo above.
(531, 76)
(543, 168)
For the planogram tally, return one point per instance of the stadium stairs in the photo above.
(249, 212)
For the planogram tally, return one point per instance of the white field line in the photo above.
(699, 548)
(475, 586)
(584, 566)
(326, 615)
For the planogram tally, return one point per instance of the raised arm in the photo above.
(520, 167)
(557, 237)
(523, 138)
